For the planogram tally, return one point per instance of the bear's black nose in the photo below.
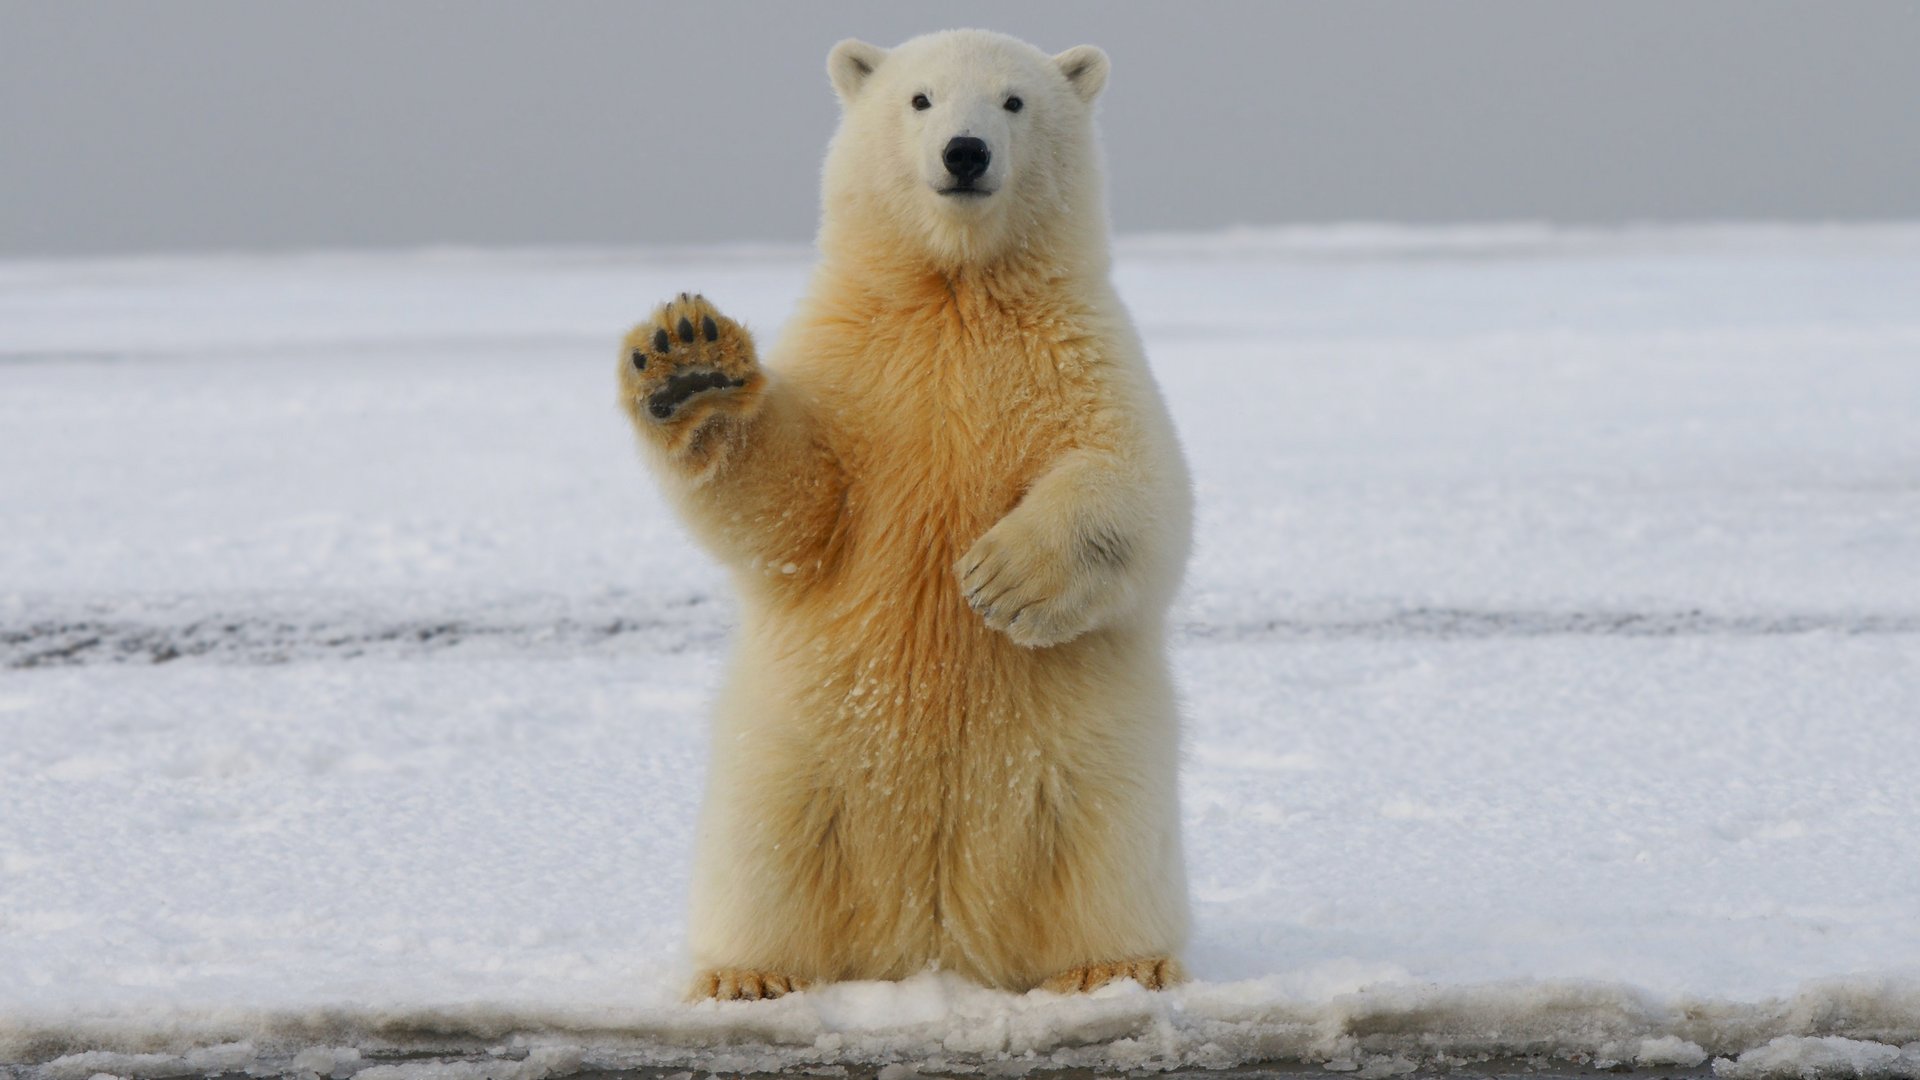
(967, 158)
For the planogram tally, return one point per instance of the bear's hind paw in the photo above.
(744, 984)
(1154, 973)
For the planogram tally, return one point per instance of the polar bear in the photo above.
(956, 513)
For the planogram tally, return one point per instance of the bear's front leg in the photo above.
(738, 448)
(1064, 560)
(1040, 581)
(686, 366)
(1096, 535)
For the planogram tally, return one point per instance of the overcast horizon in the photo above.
(234, 126)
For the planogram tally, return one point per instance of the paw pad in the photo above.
(679, 388)
(686, 350)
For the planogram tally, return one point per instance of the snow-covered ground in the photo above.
(1551, 653)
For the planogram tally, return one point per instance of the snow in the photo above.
(1551, 654)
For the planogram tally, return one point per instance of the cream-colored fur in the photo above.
(956, 513)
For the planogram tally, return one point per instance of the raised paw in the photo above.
(744, 984)
(686, 363)
(1154, 973)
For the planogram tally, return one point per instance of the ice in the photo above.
(1669, 1050)
(1830, 1056)
(1551, 658)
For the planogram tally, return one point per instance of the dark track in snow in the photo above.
(98, 634)
(1469, 624)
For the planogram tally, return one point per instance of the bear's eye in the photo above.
(920, 103)
(1014, 104)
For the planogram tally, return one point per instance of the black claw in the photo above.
(709, 328)
(660, 343)
(639, 360)
(686, 329)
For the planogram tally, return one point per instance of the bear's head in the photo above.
(962, 147)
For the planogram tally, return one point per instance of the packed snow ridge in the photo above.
(942, 1024)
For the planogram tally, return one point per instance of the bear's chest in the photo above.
(929, 469)
(944, 457)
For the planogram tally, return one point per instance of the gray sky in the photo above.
(262, 124)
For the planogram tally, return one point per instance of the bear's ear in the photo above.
(1085, 67)
(849, 64)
